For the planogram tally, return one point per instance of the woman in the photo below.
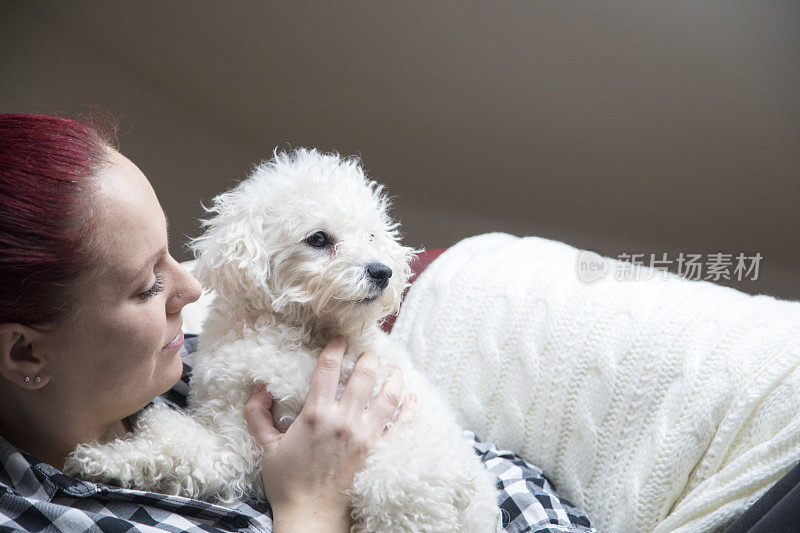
(90, 333)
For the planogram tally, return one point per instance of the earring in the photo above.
(37, 379)
(27, 379)
(180, 295)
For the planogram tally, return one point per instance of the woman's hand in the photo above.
(307, 470)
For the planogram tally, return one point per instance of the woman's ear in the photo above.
(19, 363)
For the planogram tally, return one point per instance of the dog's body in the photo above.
(299, 252)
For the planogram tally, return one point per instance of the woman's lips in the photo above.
(177, 342)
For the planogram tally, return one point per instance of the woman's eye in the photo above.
(319, 239)
(157, 287)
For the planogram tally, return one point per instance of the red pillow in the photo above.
(417, 266)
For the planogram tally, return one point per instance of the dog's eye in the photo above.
(318, 240)
(371, 236)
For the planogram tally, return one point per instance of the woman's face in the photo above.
(120, 350)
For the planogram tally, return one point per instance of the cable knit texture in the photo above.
(655, 405)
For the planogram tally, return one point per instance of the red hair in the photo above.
(46, 170)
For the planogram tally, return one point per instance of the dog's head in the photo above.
(306, 237)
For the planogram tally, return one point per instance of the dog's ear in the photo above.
(230, 258)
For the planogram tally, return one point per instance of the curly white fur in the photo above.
(279, 300)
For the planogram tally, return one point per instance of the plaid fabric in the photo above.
(36, 497)
(528, 501)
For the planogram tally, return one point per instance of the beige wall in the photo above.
(615, 126)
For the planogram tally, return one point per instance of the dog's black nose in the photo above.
(379, 274)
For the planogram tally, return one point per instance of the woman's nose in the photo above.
(187, 290)
(194, 289)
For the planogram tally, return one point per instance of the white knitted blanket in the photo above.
(653, 405)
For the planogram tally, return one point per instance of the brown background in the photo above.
(614, 126)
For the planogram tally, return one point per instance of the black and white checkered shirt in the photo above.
(34, 496)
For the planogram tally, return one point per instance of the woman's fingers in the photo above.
(325, 379)
(387, 401)
(353, 414)
(358, 390)
(258, 416)
(407, 411)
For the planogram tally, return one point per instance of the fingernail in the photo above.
(258, 388)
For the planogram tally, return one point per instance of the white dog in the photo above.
(299, 252)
